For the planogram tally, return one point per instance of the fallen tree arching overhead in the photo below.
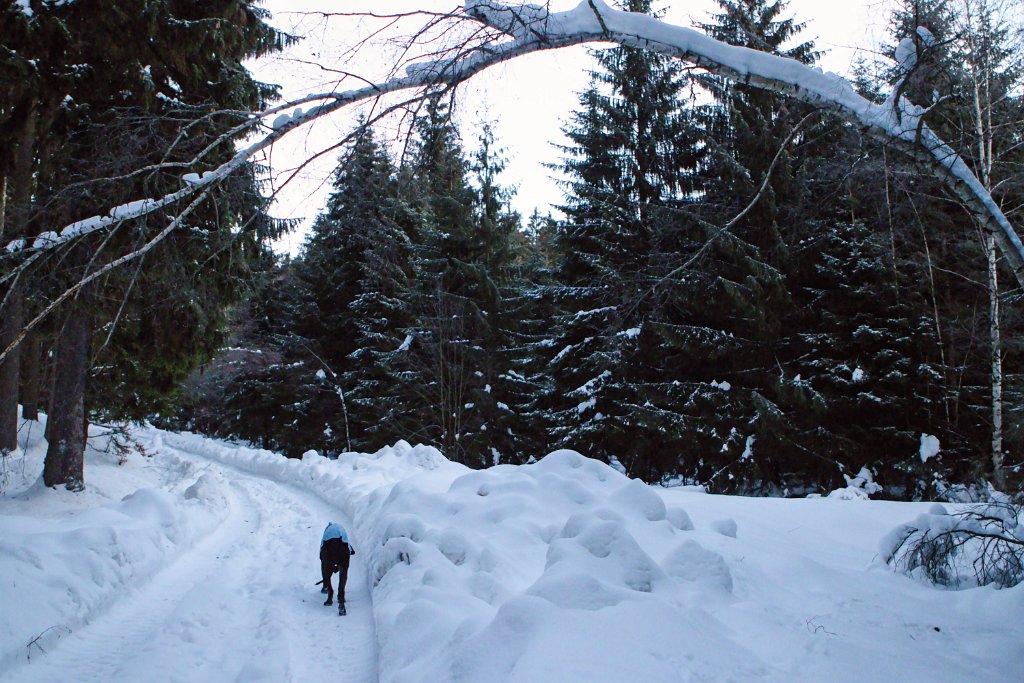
(512, 30)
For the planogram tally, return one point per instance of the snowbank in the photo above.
(561, 570)
(566, 570)
(66, 556)
(542, 563)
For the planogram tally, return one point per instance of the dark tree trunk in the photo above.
(66, 453)
(15, 225)
(3, 324)
(9, 373)
(30, 378)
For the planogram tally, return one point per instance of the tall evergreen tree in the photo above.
(749, 179)
(461, 253)
(336, 323)
(627, 162)
(380, 312)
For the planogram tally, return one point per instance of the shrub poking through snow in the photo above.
(861, 487)
(978, 546)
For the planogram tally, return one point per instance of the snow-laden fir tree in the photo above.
(372, 379)
(626, 163)
(462, 253)
(336, 321)
(737, 295)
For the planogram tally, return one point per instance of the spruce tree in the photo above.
(497, 404)
(454, 358)
(736, 301)
(380, 311)
(627, 161)
(527, 298)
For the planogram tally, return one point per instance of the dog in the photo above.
(335, 552)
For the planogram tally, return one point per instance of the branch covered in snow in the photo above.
(521, 29)
(984, 543)
(896, 120)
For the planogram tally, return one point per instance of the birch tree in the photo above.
(993, 50)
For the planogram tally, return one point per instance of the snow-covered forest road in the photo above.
(241, 605)
(195, 560)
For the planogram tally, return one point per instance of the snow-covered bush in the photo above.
(860, 487)
(977, 546)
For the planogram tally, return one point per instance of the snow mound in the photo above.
(679, 519)
(50, 545)
(726, 527)
(512, 555)
(638, 496)
(565, 569)
(693, 562)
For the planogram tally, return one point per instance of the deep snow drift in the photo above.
(563, 570)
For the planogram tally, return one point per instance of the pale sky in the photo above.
(527, 99)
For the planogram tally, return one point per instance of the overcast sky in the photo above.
(527, 99)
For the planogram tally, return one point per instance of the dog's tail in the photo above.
(319, 583)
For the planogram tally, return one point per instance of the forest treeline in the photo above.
(739, 290)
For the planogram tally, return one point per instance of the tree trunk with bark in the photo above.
(979, 20)
(30, 378)
(15, 224)
(65, 456)
(10, 369)
(998, 473)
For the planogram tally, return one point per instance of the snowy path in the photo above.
(239, 606)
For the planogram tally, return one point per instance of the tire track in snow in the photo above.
(239, 606)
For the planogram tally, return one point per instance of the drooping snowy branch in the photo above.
(525, 29)
(896, 120)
